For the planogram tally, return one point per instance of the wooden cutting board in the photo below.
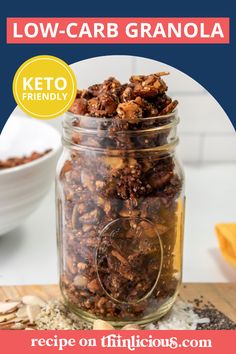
(221, 295)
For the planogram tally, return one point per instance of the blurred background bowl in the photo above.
(23, 187)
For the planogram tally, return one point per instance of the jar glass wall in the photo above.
(120, 211)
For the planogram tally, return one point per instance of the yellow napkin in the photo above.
(226, 234)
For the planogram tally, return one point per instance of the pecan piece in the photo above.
(118, 256)
(91, 217)
(87, 180)
(82, 266)
(159, 179)
(129, 111)
(80, 106)
(169, 108)
(148, 86)
(115, 163)
(80, 281)
(127, 94)
(104, 105)
(93, 285)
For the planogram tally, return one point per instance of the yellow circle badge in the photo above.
(44, 87)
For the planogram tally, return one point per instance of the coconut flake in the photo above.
(181, 316)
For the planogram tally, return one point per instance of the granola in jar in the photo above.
(120, 197)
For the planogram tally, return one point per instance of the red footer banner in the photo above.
(209, 341)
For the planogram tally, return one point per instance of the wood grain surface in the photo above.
(222, 296)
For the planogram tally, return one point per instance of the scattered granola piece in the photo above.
(7, 317)
(8, 307)
(131, 327)
(32, 300)
(102, 325)
(32, 312)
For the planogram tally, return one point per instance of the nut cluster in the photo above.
(143, 96)
(118, 207)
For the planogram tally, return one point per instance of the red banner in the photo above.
(211, 30)
(91, 342)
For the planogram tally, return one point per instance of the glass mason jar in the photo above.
(120, 211)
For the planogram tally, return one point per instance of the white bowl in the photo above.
(23, 187)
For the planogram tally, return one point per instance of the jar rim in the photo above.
(95, 126)
(91, 124)
(68, 119)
